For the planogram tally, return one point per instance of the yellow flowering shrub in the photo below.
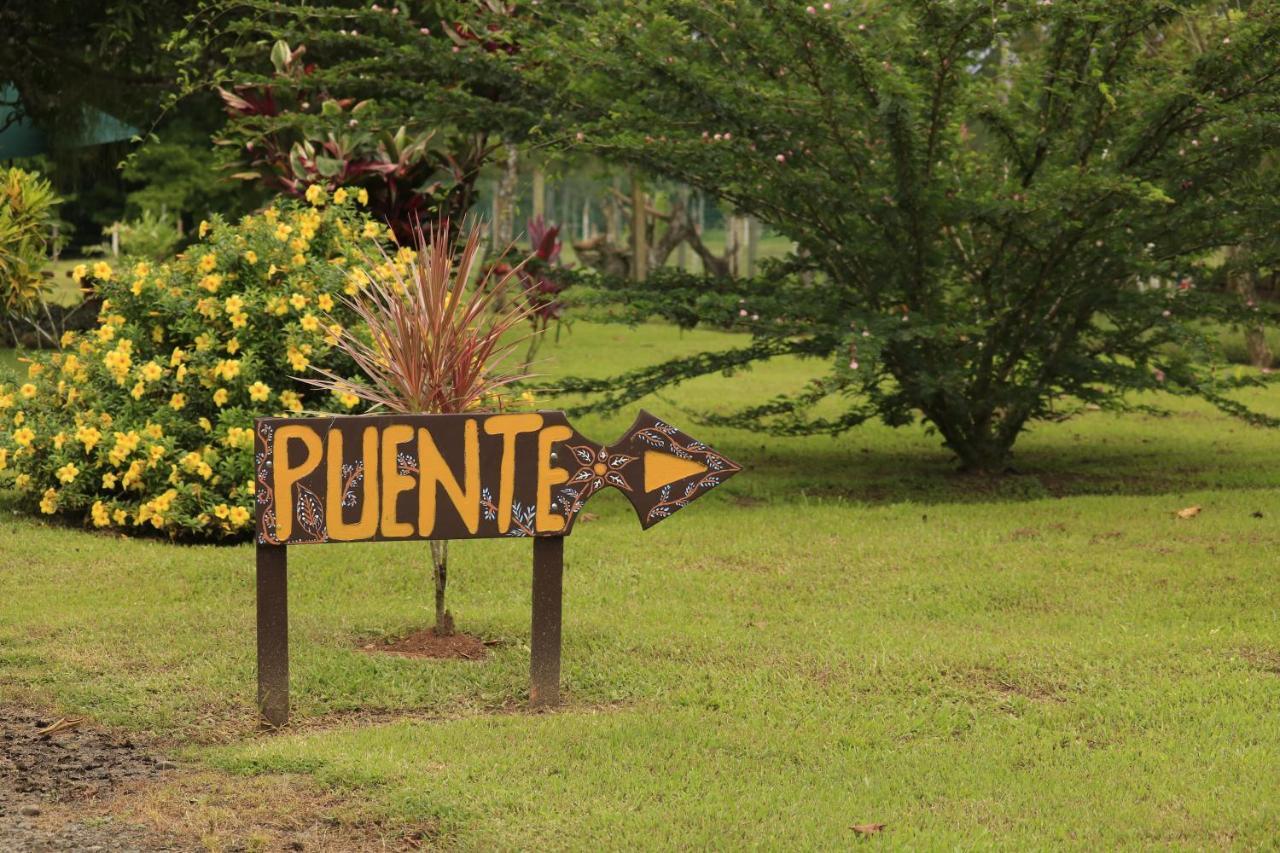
(146, 422)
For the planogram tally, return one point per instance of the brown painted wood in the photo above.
(273, 634)
(544, 643)
(578, 466)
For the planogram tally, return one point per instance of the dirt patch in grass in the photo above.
(67, 784)
(1262, 659)
(427, 644)
(54, 770)
(221, 811)
(991, 680)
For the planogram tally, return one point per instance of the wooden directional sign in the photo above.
(467, 476)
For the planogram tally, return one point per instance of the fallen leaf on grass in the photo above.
(867, 828)
(61, 725)
(1188, 512)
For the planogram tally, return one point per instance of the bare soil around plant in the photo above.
(428, 644)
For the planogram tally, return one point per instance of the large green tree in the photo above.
(1000, 208)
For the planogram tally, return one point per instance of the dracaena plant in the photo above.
(437, 339)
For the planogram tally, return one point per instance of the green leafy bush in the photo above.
(146, 421)
(152, 235)
(27, 208)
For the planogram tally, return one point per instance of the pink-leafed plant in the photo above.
(434, 338)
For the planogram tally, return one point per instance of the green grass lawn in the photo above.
(846, 633)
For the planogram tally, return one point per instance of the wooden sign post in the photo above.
(391, 477)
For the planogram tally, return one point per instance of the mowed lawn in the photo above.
(847, 633)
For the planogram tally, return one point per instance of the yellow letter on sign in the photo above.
(285, 476)
(509, 426)
(393, 482)
(339, 529)
(546, 521)
(436, 470)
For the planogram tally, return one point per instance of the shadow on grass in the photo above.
(1128, 460)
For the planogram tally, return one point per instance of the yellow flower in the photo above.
(315, 194)
(177, 357)
(205, 424)
(239, 516)
(4, 458)
(251, 257)
(259, 391)
(283, 231)
(109, 480)
(299, 260)
(298, 301)
(298, 359)
(22, 481)
(89, 437)
(125, 443)
(6, 400)
(120, 516)
(371, 229)
(208, 262)
(59, 439)
(177, 402)
(340, 196)
(291, 401)
(233, 345)
(348, 400)
(68, 473)
(362, 196)
(142, 269)
(221, 510)
(138, 390)
(106, 333)
(239, 321)
(49, 503)
(152, 371)
(310, 323)
(211, 282)
(27, 390)
(101, 516)
(134, 474)
(239, 437)
(234, 303)
(325, 302)
(24, 437)
(228, 369)
(203, 341)
(102, 271)
(204, 228)
(78, 274)
(19, 418)
(220, 397)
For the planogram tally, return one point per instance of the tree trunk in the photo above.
(504, 214)
(1244, 281)
(440, 570)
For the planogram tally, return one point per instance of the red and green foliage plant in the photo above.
(433, 336)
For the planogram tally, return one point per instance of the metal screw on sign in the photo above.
(388, 477)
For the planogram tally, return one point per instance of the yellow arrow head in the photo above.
(661, 469)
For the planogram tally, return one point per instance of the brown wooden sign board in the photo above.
(467, 476)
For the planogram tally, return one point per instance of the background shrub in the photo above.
(146, 421)
(27, 209)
